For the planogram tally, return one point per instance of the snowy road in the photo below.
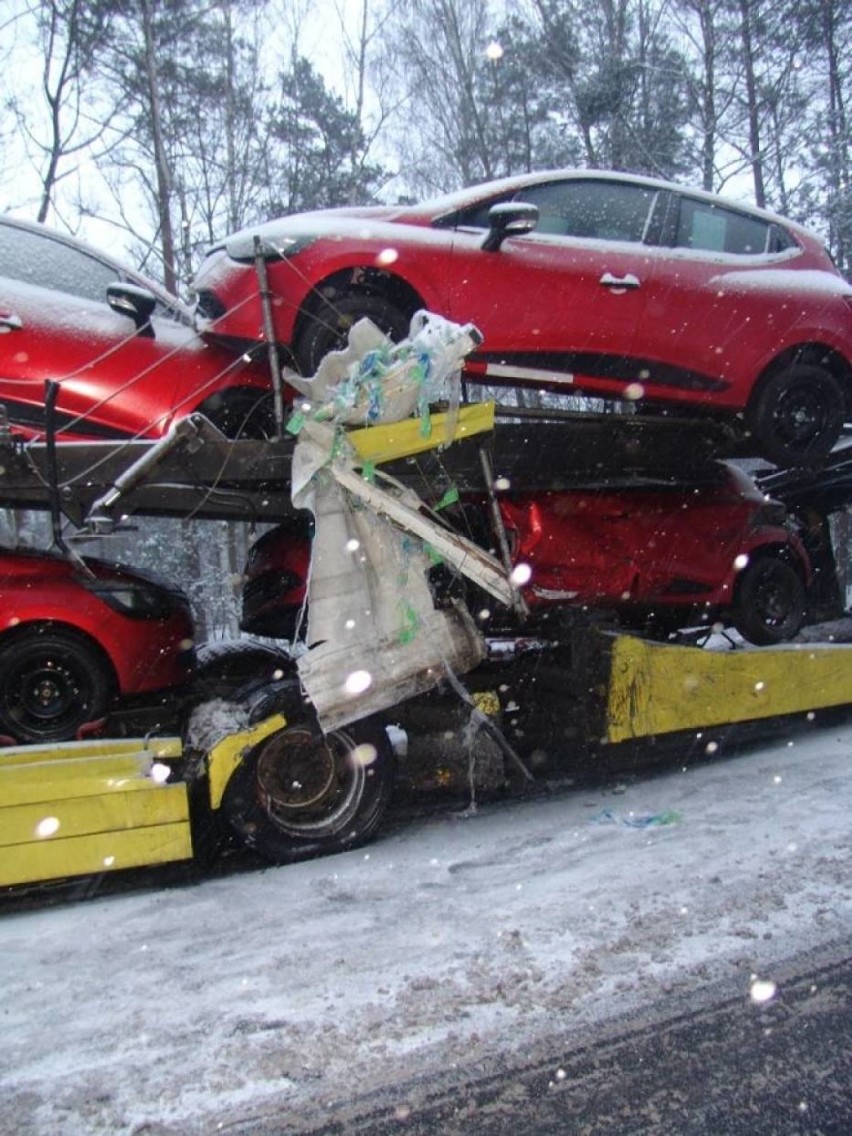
(291, 992)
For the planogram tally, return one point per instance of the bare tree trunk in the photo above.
(53, 93)
(161, 164)
(753, 111)
(840, 176)
(708, 109)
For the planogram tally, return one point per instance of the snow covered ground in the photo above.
(293, 990)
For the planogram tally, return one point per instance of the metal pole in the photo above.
(51, 393)
(269, 335)
(518, 604)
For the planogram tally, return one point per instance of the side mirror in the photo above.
(131, 300)
(509, 219)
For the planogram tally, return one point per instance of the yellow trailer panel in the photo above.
(62, 778)
(98, 852)
(160, 749)
(102, 812)
(658, 688)
(84, 807)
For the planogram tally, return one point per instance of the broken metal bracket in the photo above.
(471, 560)
(481, 721)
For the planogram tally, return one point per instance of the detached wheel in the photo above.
(328, 328)
(51, 683)
(797, 415)
(770, 601)
(298, 795)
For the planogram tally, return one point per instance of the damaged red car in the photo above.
(658, 555)
(580, 281)
(664, 556)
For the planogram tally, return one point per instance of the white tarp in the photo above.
(374, 636)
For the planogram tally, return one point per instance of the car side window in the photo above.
(36, 259)
(703, 225)
(601, 210)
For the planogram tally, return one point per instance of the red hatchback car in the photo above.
(664, 555)
(73, 640)
(610, 284)
(124, 352)
(660, 555)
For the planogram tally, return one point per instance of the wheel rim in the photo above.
(47, 696)
(773, 600)
(308, 785)
(801, 416)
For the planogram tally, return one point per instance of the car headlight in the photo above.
(138, 599)
(278, 246)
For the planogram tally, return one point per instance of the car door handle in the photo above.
(622, 282)
(10, 322)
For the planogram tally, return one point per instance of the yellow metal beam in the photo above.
(29, 782)
(81, 807)
(101, 852)
(403, 439)
(82, 816)
(656, 688)
(161, 749)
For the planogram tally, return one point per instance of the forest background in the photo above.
(156, 126)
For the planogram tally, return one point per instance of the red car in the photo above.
(73, 641)
(665, 555)
(274, 580)
(610, 284)
(660, 555)
(124, 352)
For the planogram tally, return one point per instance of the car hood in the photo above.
(285, 235)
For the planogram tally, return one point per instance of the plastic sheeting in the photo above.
(374, 635)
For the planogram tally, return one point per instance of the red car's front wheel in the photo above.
(52, 682)
(327, 327)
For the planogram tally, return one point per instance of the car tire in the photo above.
(52, 682)
(327, 328)
(226, 669)
(770, 601)
(299, 794)
(797, 414)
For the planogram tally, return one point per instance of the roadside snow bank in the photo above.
(297, 988)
